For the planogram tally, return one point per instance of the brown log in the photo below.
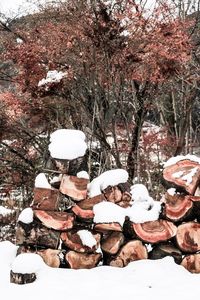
(113, 194)
(188, 237)
(55, 220)
(177, 208)
(166, 249)
(174, 174)
(37, 235)
(192, 263)
(73, 241)
(105, 227)
(46, 199)
(90, 202)
(74, 187)
(112, 243)
(196, 206)
(151, 232)
(19, 278)
(82, 260)
(83, 214)
(131, 251)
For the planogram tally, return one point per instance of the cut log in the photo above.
(37, 235)
(73, 241)
(83, 214)
(90, 202)
(184, 175)
(82, 260)
(46, 199)
(188, 237)
(105, 227)
(133, 250)
(112, 243)
(151, 232)
(113, 194)
(192, 263)
(177, 208)
(196, 206)
(19, 278)
(74, 187)
(166, 249)
(55, 220)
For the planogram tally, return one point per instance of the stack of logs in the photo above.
(61, 212)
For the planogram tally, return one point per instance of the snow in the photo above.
(41, 181)
(139, 192)
(52, 77)
(5, 211)
(83, 174)
(143, 279)
(139, 212)
(26, 216)
(171, 191)
(108, 212)
(67, 144)
(108, 178)
(87, 238)
(27, 263)
(175, 159)
(186, 177)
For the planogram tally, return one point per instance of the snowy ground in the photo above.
(140, 280)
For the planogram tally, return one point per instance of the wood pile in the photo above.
(62, 214)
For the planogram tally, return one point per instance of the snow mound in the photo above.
(26, 216)
(175, 159)
(67, 144)
(108, 178)
(41, 181)
(27, 263)
(87, 238)
(108, 212)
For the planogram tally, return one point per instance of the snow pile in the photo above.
(67, 144)
(87, 238)
(26, 216)
(27, 263)
(138, 213)
(175, 159)
(108, 212)
(171, 191)
(83, 174)
(188, 177)
(108, 178)
(5, 211)
(41, 181)
(52, 77)
(8, 252)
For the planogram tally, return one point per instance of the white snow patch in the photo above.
(26, 216)
(177, 174)
(83, 174)
(52, 77)
(41, 181)
(175, 159)
(108, 178)
(188, 177)
(27, 263)
(87, 238)
(67, 144)
(171, 191)
(5, 211)
(108, 212)
(139, 192)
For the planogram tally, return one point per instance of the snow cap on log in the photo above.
(183, 172)
(26, 216)
(67, 144)
(41, 181)
(27, 263)
(108, 178)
